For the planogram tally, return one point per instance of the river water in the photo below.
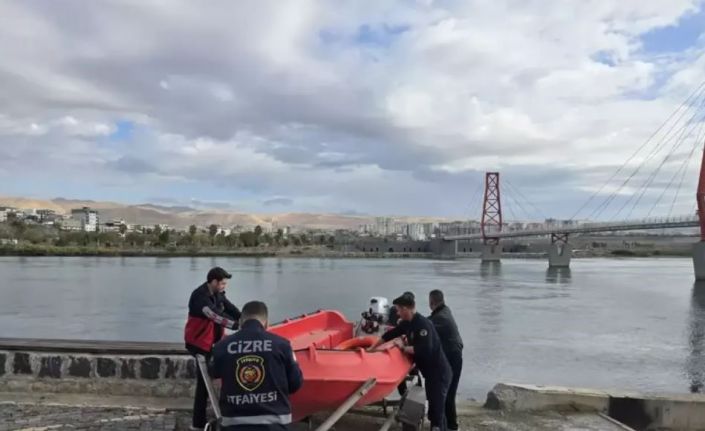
(605, 323)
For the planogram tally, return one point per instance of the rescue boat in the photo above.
(335, 363)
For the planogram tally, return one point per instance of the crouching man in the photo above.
(258, 371)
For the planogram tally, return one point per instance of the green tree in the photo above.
(157, 230)
(122, 229)
(248, 239)
(258, 231)
(279, 236)
(164, 238)
(192, 230)
(212, 231)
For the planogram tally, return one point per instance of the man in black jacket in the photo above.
(452, 343)
(258, 371)
(423, 343)
(209, 312)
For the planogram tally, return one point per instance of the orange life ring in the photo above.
(357, 342)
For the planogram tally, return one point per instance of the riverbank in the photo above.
(306, 251)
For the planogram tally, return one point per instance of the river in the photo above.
(605, 323)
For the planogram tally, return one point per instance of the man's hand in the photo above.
(399, 343)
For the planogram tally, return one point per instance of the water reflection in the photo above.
(489, 270)
(558, 275)
(695, 365)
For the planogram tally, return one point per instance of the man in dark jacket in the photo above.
(209, 311)
(447, 329)
(425, 346)
(259, 371)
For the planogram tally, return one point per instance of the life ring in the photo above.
(357, 342)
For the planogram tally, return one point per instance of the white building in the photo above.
(88, 218)
(5, 211)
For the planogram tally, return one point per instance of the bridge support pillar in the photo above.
(699, 260)
(559, 255)
(560, 251)
(491, 252)
(447, 249)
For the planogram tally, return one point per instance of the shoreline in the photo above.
(306, 252)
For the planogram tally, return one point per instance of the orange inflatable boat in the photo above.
(335, 363)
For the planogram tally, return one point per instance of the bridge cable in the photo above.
(681, 170)
(605, 204)
(518, 191)
(696, 144)
(509, 207)
(642, 146)
(475, 200)
(681, 139)
(509, 193)
(660, 145)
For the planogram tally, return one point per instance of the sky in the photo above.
(356, 107)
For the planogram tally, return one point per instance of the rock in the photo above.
(21, 364)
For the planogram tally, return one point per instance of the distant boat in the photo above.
(333, 373)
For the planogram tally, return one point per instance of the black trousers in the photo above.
(456, 364)
(436, 392)
(200, 399)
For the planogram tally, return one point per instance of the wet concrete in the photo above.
(50, 411)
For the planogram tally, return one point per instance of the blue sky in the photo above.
(391, 108)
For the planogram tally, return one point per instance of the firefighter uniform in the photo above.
(430, 360)
(258, 371)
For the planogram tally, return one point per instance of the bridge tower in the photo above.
(699, 249)
(491, 222)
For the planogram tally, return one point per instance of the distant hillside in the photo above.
(182, 217)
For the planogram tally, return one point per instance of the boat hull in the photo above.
(331, 375)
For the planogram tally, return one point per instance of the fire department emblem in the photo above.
(250, 372)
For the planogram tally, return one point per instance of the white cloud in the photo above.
(301, 100)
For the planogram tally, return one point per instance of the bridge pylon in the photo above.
(491, 222)
(699, 248)
(560, 251)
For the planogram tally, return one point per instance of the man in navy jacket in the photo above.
(258, 371)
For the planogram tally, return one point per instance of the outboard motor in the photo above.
(376, 316)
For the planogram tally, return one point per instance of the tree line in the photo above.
(157, 237)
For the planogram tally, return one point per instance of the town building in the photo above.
(88, 218)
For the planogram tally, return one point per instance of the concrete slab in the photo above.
(53, 411)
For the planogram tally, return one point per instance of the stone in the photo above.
(21, 364)
(3, 360)
(149, 368)
(50, 367)
(80, 367)
(106, 367)
(190, 371)
(127, 371)
(171, 366)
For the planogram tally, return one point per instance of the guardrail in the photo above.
(548, 229)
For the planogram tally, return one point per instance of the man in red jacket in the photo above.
(209, 311)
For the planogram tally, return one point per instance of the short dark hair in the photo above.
(411, 294)
(436, 296)
(217, 273)
(254, 309)
(405, 300)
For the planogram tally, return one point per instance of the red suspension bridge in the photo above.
(668, 152)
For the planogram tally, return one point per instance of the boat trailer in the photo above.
(409, 412)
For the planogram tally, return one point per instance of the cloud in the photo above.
(397, 107)
(278, 202)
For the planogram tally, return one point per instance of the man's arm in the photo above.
(393, 333)
(293, 371)
(210, 312)
(423, 343)
(231, 310)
